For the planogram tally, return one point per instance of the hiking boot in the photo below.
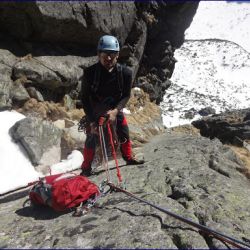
(86, 172)
(134, 161)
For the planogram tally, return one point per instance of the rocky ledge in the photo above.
(187, 174)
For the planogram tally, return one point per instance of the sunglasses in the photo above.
(111, 54)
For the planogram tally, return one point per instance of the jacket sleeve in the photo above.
(86, 99)
(126, 92)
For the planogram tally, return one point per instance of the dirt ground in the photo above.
(244, 155)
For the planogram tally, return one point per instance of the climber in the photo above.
(106, 89)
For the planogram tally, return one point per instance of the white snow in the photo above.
(16, 170)
(210, 72)
(73, 161)
(126, 111)
(222, 20)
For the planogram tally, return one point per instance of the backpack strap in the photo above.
(120, 77)
(96, 81)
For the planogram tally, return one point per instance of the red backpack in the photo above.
(63, 191)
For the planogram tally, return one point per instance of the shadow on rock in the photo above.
(98, 172)
(40, 213)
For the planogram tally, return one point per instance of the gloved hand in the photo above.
(112, 114)
(93, 128)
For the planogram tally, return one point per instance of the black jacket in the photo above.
(103, 90)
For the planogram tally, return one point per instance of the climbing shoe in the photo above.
(134, 161)
(86, 172)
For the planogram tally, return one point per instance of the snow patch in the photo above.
(73, 161)
(16, 169)
(126, 111)
(210, 72)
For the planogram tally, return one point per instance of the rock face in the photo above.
(47, 142)
(166, 23)
(7, 60)
(43, 48)
(41, 140)
(79, 22)
(189, 175)
(45, 45)
(230, 127)
(145, 119)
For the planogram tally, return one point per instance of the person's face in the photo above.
(108, 59)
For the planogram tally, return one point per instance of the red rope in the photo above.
(114, 153)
